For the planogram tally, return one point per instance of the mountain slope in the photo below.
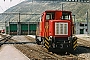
(29, 7)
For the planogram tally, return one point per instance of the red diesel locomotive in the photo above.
(55, 31)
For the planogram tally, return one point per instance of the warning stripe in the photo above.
(46, 38)
(75, 42)
(46, 42)
(75, 46)
(46, 46)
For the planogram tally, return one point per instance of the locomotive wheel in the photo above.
(37, 41)
(43, 42)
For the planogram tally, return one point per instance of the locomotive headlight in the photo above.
(50, 36)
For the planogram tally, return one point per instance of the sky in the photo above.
(4, 5)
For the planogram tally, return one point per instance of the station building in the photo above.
(21, 28)
(81, 28)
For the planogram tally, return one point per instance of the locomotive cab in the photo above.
(55, 31)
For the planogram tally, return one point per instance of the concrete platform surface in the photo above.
(33, 36)
(9, 52)
(83, 36)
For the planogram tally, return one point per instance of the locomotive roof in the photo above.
(57, 10)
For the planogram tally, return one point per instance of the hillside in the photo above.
(28, 7)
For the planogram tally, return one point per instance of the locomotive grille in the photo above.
(61, 28)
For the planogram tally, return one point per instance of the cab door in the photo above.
(47, 29)
(49, 16)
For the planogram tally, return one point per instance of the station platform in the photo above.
(9, 52)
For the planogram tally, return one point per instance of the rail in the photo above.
(18, 43)
(4, 41)
(50, 56)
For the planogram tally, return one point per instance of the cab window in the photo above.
(65, 16)
(50, 16)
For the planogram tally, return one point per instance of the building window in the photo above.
(86, 30)
(81, 24)
(85, 24)
(81, 31)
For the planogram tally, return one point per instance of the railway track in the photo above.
(7, 40)
(4, 40)
(83, 49)
(17, 42)
(82, 42)
(58, 56)
(39, 54)
(34, 51)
